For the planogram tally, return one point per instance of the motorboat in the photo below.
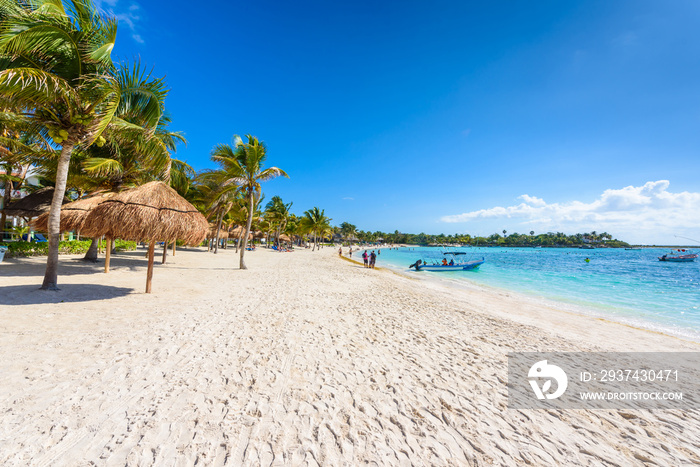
(455, 264)
(680, 255)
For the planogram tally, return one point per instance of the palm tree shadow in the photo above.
(71, 293)
(132, 260)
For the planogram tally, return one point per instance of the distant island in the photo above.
(549, 239)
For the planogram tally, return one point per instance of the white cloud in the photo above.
(644, 214)
(349, 198)
(532, 200)
(129, 16)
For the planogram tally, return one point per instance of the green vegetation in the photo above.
(74, 247)
(550, 239)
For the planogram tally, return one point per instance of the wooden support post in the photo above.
(108, 254)
(174, 242)
(165, 251)
(149, 275)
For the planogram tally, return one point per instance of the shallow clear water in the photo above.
(630, 286)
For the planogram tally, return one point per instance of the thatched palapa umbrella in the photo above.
(32, 205)
(152, 212)
(73, 217)
(73, 214)
(237, 232)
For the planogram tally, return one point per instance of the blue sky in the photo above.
(445, 116)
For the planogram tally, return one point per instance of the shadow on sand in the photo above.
(27, 267)
(31, 295)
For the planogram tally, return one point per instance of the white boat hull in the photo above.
(457, 267)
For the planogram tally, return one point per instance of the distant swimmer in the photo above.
(587, 260)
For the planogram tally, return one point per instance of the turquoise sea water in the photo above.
(629, 286)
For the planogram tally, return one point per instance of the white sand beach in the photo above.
(304, 359)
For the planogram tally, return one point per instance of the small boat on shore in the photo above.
(452, 265)
(676, 257)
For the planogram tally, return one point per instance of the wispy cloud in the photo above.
(640, 212)
(128, 13)
(626, 39)
(349, 198)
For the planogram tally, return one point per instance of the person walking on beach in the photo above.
(340, 251)
(351, 252)
(365, 258)
(372, 260)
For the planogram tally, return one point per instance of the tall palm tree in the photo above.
(315, 222)
(56, 68)
(243, 166)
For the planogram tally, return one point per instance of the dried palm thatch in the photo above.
(73, 214)
(223, 233)
(151, 212)
(32, 205)
(236, 231)
(258, 234)
(285, 238)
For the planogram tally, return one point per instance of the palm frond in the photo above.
(98, 166)
(36, 87)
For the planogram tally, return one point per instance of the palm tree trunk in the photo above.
(51, 274)
(149, 274)
(91, 254)
(315, 242)
(247, 229)
(7, 199)
(108, 254)
(220, 217)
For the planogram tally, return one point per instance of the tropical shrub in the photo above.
(74, 247)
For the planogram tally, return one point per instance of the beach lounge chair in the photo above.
(3, 249)
(39, 238)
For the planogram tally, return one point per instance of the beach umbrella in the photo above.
(236, 231)
(73, 214)
(32, 205)
(152, 212)
(73, 217)
(285, 238)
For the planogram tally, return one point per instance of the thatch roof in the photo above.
(223, 233)
(151, 212)
(285, 238)
(236, 231)
(73, 214)
(33, 204)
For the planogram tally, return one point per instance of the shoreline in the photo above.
(303, 358)
(536, 299)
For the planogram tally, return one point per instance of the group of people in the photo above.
(369, 259)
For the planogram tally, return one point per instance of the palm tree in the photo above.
(242, 167)
(315, 222)
(58, 72)
(277, 214)
(347, 230)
